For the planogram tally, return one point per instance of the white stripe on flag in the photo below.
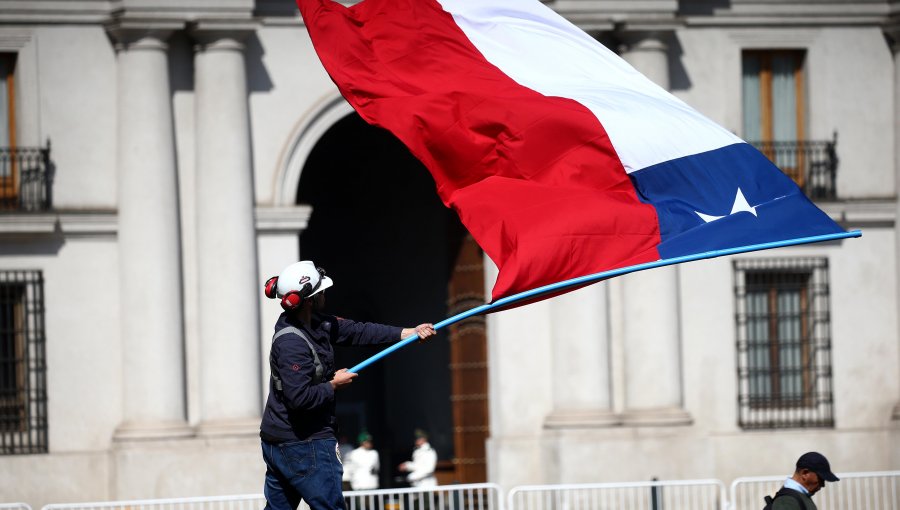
(540, 50)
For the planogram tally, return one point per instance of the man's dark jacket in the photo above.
(788, 502)
(304, 410)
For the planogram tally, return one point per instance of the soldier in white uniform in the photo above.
(362, 465)
(424, 459)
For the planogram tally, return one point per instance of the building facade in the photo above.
(160, 160)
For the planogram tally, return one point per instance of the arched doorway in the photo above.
(394, 251)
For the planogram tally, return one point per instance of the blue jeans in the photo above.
(308, 470)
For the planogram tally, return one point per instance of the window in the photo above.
(8, 169)
(783, 343)
(773, 107)
(23, 394)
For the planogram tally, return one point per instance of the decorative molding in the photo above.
(50, 11)
(102, 223)
(13, 39)
(229, 428)
(582, 419)
(152, 431)
(662, 417)
(28, 224)
(68, 224)
(788, 13)
(129, 32)
(774, 37)
(627, 15)
(302, 141)
(285, 219)
(858, 214)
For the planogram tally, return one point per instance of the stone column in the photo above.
(228, 291)
(647, 52)
(149, 241)
(651, 323)
(652, 342)
(894, 35)
(580, 365)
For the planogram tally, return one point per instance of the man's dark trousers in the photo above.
(308, 470)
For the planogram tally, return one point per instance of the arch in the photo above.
(302, 141)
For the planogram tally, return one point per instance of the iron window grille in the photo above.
(23, 371)
(783, 343)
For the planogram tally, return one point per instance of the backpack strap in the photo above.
(276, 379)
(784, 491)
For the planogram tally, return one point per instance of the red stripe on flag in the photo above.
(535, 179)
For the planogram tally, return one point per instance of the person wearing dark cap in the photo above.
(424, 460)
(810, 475)
(298, 424)
(363, 464)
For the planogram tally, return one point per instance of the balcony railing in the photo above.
(811, 164)
(25, 179)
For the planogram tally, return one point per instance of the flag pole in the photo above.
(605, 275)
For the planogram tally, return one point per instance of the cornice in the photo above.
(861, 213)
(755, 13)
(49, 11)
(14, 38)
(65, 223)
(127, 31)
(892, 23)
(279, 220)
(627, 15)
(92, 12)
(212, 32)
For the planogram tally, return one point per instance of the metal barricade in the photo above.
(655, 495)
(449, 497)
(876, 490)
(236, 502)
(14, 506)
(481, 496)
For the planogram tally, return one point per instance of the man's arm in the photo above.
(349, 332)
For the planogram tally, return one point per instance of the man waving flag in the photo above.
(560, 158)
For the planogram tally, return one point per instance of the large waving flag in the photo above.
(560, 158)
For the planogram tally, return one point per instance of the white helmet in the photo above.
(298, 281)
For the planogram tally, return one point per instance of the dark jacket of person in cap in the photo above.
(811, 473)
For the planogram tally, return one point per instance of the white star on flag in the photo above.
(740, 205)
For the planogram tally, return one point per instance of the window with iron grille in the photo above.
(23, 390)
(783, 343)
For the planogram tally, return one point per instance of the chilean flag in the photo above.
(559, 157)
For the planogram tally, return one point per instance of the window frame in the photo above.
(23, 392)
(779, 151)
(9, 184)
(763, 400)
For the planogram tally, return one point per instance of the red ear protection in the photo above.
(291, 300)
(295, 298)
(271, 287)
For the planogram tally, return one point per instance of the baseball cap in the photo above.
(818, 464)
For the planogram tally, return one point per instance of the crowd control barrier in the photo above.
(654, 495)
(448, 497)
(879, 490)
(876, 490)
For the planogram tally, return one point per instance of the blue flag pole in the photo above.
(596, 277)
